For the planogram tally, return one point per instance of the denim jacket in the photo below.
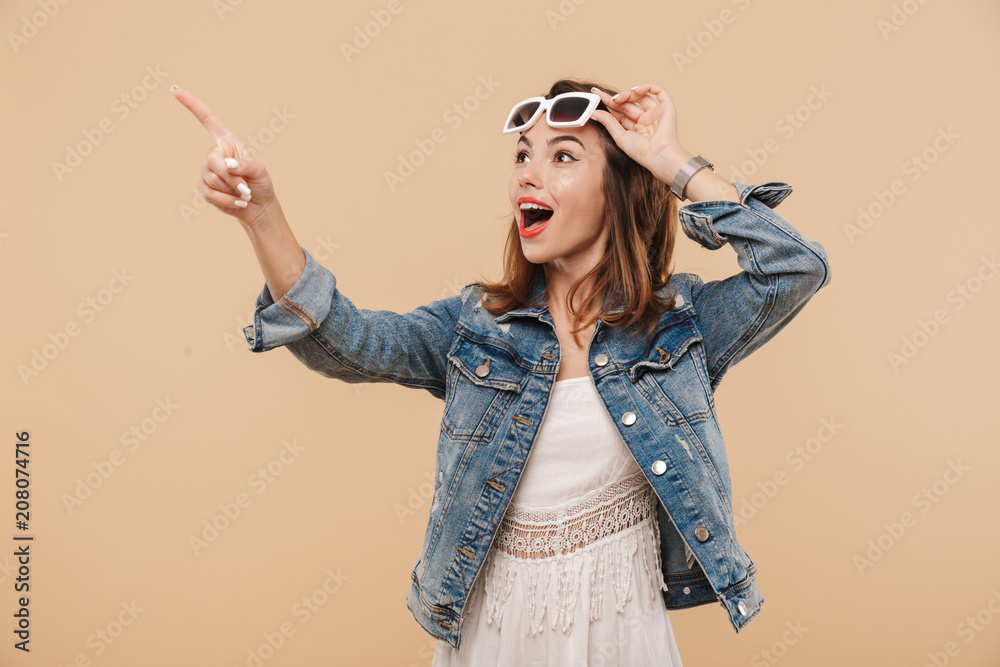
(495, 376)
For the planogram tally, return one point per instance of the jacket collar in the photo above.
(537, 311)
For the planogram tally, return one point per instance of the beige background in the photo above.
(172, 333)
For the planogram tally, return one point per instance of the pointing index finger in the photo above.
(223, 137)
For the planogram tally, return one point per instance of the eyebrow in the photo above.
(561, 137)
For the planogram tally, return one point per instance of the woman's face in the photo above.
(563, 169)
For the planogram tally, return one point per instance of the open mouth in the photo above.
(535, 216)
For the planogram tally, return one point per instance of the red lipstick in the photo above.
(537, 229)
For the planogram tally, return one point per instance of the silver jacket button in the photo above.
(741, 607)
(628, 418)
(601, 360)
(659, 467)
(701, 533)
(483, 370)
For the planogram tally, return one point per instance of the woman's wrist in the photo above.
(670, 162)
(278, 252)
(704, 185)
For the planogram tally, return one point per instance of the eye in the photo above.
(518, 154)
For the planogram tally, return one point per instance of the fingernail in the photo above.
(240, 203)
(242, 187)
(232, 164)
(174, 87)
(616, 96)
(245, 197)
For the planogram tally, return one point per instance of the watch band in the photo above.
(687, 170)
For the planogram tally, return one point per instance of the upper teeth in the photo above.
(538, 206)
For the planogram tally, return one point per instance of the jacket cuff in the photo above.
(697, 218)
(296, 314)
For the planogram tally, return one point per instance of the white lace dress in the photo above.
(573, 576)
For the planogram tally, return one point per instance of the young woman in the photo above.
(589, 354)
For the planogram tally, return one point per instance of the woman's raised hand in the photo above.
(643, 122)
(231, 179)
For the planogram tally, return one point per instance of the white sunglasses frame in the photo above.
(546, 104)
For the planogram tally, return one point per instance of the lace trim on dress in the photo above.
(544, 532)
(602, 535)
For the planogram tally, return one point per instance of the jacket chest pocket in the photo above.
(674, 378)
(483, 383)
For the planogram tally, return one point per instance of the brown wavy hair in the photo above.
(642, 215)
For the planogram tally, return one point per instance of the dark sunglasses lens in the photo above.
(568, 109)
(522, 115)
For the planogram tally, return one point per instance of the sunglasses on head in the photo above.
(566, 110)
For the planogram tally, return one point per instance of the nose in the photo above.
(529, 174)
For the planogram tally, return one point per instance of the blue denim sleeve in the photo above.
(781, 272)
(326, 332)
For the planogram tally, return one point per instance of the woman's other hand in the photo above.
(231, 179)
(645, 128)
